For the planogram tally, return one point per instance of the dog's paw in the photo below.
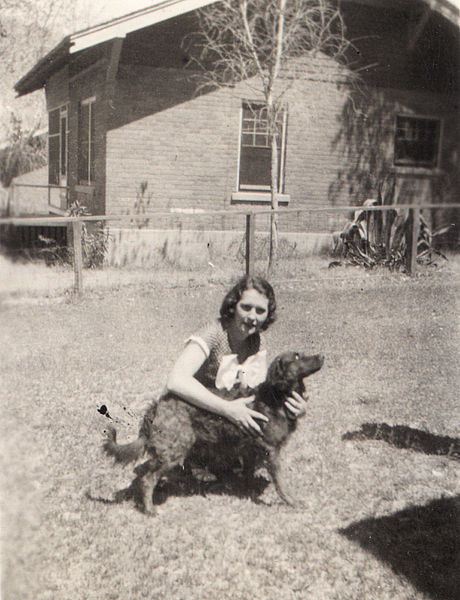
(298, 505)
(149, 511)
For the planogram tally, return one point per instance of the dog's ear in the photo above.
(277, 375)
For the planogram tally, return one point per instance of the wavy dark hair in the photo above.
(227, 309)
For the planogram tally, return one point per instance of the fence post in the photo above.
(250, 222)
(412, 239)
(77, 257)
(11, 199)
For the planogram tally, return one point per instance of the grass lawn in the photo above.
(380, 507)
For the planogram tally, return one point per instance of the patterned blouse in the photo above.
(223, 368)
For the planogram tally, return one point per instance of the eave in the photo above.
(163, 10)
(36, 78)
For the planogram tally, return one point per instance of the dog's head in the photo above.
(288, 370)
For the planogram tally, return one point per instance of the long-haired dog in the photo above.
(172, 428)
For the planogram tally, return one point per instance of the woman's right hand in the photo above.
(238, 412)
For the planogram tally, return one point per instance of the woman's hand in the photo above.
(297, 405)
(238, 412)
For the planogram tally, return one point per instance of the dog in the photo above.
(172, 429)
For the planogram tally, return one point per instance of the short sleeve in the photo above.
(209, 338)
(201, 343)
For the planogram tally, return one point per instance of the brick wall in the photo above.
(186, 147)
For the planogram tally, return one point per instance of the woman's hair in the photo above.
(227, 309)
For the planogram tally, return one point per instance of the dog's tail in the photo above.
(123, 453)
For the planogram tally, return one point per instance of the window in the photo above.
(86, 142)
(58, 135)
(417, 142)
(255, 149)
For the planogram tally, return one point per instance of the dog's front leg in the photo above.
(275, 470)
(249, 467)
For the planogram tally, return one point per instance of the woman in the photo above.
(227, 352)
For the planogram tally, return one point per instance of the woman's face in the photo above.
(250, 312)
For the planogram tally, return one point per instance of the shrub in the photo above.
(94, 244)
(374, 238)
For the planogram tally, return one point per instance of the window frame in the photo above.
(62, 135)
(243, 188)
(89, 141)
(414, 163)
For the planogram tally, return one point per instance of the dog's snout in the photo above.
(313, 363)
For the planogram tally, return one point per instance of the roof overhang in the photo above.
(118, 28)
(161, 10)
(46, 66)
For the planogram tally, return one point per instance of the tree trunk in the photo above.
(273, 249)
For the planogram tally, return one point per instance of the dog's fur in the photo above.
(172, 429)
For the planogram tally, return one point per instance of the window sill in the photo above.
(259, 198)
(417, 171)
(84, 188)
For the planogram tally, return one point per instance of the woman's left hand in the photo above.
(297, 405)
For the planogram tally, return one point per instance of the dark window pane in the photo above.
(261, 126)
(262, 141)
(63, 146)
(91, 163)
(53, 121)
(83, 163)
(255, 167)
(85, 143)
(416, 141)
(53, 160)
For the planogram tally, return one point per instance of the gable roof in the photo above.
(160, 10)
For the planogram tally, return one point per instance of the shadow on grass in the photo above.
(402, 436)
(421, 543)
(183, 482)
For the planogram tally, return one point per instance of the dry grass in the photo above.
(379, 521)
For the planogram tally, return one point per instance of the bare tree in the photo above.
(29, 29)
(263, 42)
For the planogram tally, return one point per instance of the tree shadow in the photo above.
(421, 543)
(402, 436)
(366, 130)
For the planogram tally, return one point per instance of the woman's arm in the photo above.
(182, 381)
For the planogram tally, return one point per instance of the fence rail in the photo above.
(254, 212)
(250, 216)
(48, 187)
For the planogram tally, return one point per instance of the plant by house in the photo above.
(374, 238)
(94, 243)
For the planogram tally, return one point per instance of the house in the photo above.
(126, 126)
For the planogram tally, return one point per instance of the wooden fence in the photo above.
(251, 216)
